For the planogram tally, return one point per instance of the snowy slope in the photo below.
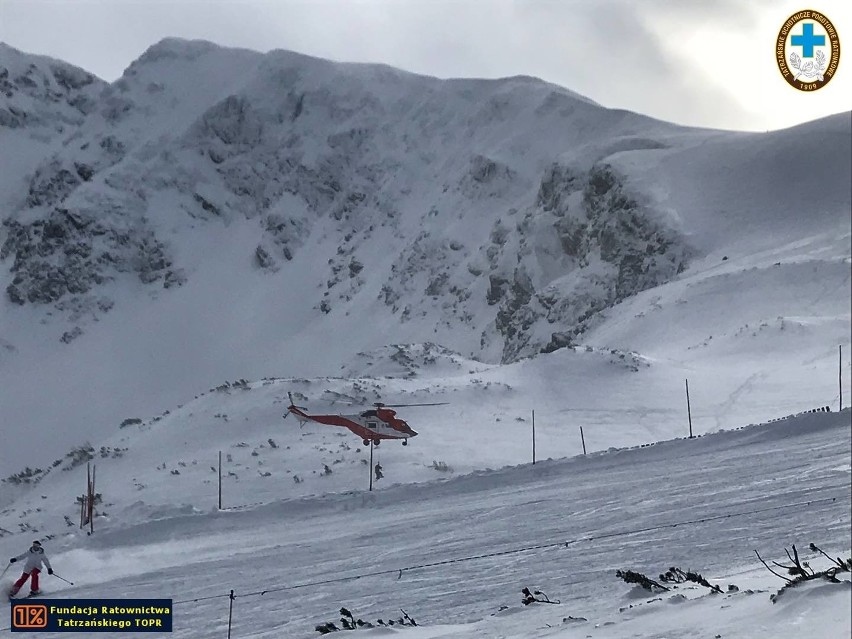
(561, 526)
(278, 214)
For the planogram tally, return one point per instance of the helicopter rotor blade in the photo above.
(343, 398)
(381, 405)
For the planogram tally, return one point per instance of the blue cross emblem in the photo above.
(808, 40)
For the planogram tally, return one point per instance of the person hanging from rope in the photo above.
(379, 474)
(34, 557)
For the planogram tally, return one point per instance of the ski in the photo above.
(32, 595)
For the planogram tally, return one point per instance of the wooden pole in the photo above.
(688, 410)
(583, 439)
(230, 612)
(371, 465)
(88, 488)
(533, 434)
(87, 500)
(220, 480)
(92, 501)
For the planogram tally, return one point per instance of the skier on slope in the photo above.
(35, 557)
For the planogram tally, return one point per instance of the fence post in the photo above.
(688, 410)
(92, 501)
(533, 434)
(230, 612)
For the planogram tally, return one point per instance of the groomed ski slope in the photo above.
(763, 487)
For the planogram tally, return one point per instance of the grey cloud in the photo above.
(610, 50)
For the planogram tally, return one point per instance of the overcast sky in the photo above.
(699, 62)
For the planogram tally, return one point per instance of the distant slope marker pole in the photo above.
(370, 468)
(840, 377)
(533, 434)
(688, 410)
(583, 439)
(220, 480)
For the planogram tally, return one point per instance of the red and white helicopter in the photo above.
(373, 425)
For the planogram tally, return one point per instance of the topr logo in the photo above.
(807, 50)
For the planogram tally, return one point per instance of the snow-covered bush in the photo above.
(801, 570)
(349, 622)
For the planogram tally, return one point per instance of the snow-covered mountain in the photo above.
(219, 214)
(182, 249)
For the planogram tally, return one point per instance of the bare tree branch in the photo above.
(789, 581)
(838, 561)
